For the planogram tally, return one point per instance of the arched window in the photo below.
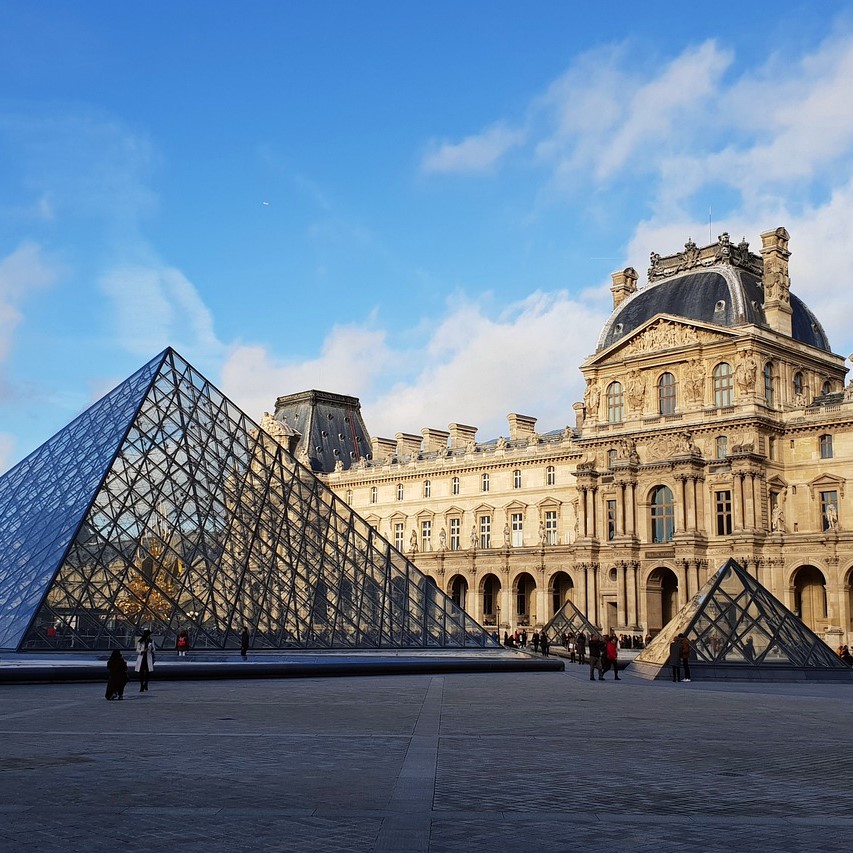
(798, 384)
(614, 403)
(722, 446)
(373, 494)
(666, 394)
(455, 485)
(723, 385)
(427, 488)
(399, 491)
(611, 458)
(826, 447)
(516, 479)
(826, 388)
(663, 514)
(550, 476)
(768, 384)
(484, 483)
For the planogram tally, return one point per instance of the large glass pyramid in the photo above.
(736, 628)
(164, 506)
(569, 620)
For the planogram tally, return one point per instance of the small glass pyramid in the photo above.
(734, 622)
(164, 506)
(569, 620)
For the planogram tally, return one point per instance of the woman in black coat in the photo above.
(117, 678)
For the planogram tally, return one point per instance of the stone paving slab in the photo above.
(432, 763)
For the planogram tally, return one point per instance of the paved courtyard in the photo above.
(494, 762)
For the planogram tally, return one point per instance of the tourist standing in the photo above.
(684, 653)
(144, 659)
(117, 675)
(182, 644)
(244, 643)
(675, 658)
(596, 650)
(544, 643)
(581, 643)
(535, 641)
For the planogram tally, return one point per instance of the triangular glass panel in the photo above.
(569, 620)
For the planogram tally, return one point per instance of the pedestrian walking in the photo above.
(544, 643)
(144, 659)
(535, 641)
(244, 643)
(116, 675)
(611, 653)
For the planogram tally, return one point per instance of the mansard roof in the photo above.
(721, 284)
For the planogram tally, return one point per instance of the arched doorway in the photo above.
(810, 597)
(524, 600)
(562, 590)
(490, 593)
(661, 598)
(459, 591)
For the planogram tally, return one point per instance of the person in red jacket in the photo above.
(611, 652)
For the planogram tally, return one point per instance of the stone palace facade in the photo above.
(715, 424)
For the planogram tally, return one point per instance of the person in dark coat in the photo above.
(117, 676)
(544, 643)
(581, 644)
(244, 643)
(675, 658)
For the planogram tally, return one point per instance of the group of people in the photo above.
(518, 640)
(844, 653)
(679, 658)
(117, 672)
(603, 656)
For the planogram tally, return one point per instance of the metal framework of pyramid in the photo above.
(738, 630)
(569, 620)
(164, 506)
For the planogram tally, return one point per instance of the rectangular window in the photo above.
(455, 533)
(398, 536)
(829, 510)
(611, 520)
(551, 527)
(485, 531)
(455, 485)
(426, 536)
(826, 447)
(723, 508)
(517, 525)
(516, 479)
(550, 476)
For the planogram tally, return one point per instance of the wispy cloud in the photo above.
(480, 152)
(22, 273)
(157, 306)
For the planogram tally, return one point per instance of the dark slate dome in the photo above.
(721, 295)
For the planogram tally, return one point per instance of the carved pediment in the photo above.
(825, 483)
(664, 334)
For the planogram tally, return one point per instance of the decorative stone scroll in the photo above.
(721, 252)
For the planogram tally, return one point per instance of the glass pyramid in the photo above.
(164, 506)
(569, 620)
(733, 621)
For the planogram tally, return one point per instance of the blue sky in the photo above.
(418, 204)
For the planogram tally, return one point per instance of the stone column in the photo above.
(630, 511)
(749, 502)
(580, 587)
(621, 594)
(631, 594)
(737, 501)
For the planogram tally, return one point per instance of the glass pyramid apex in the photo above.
(735, 622)
(569, 620)
(164, 506)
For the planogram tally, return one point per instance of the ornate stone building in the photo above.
(715, 424)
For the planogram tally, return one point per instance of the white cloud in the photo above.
(22, 273)
(477, 153)
(7, 445)
(471, 369)
(157, 306)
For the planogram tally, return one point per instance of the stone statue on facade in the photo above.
(746, 372)
(543, 533)
(635, 389)
(694, 380)
(506, 536)
(777, 517)
(501, 444)
(413, 542)
(831, 516)
(473, 538)
(592, 398)
(442, 540)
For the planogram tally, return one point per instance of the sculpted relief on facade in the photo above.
(663, 335)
